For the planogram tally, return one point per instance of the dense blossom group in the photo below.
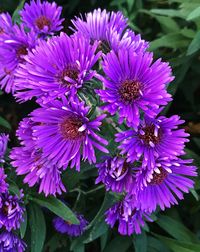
(36, 62)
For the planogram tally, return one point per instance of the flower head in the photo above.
(66, 227)
(28, 160)
(116, 174)
(3, 146)
(11, 211)
(13, 49)
(129, 217)
(56, 67)
(11, 243)
(38, 170)
(3, 184)
(43, 17)
(154, 138)
(133, 85)
(68, 131)
(163, 184)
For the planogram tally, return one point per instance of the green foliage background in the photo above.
(173, 28)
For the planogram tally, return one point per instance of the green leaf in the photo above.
(119, 244)
(58, 207)
(179, 246)
(38, 228)
(13, 188)
(168, 12)
(23, 225)
(98, 229)
(171, 40)
(155, 245)
(194, 14)
(194, 45)
(176, 229)
(4, 123)
(16, 16)
(140, 242)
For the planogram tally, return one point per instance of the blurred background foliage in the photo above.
(173, 29)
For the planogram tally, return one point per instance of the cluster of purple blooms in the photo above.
(11, 208)
(36, 63)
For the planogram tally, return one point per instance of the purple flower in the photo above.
(116, 174)
(38, 169)
(130, 219)
(5, 24)
(3, 184)
(163, 184)
(57, 67)
(133, 85)
(154, 138)
(28, 160)
(65, 134)
(98, 25)
(9, 242)
(43, 17)
(66, 227)
(13, 49)
(11, 211)
(3, 146)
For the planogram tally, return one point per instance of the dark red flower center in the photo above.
(21, 51)
(42, 21)
(69, 127)
(72, 72)
(149, 134)
(1, 30)
(158, 178)
(130, 90)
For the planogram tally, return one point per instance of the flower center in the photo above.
(71, 72)
(149, 134)
(158, 178)
(22, 50)
(1, 30)
(42, 21)
(129, 91)
(70, 126)
(5, 210)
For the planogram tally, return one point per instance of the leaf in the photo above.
(23, 225)
(98, 229)
(176, 229)
(171, 40)
(168, 12)
(140, 242)
(4, 123)
(38, 228)
(194, 45)
(194, 14)
(58, 207)
(16, 16)
(118, 244)
(155, 245)
(179, 246)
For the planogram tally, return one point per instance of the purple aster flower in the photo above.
(68, 131)
(66, 227)
(5, 24)
(154, 138)
(3, 146)
(57, 67)
(163, 184)
(13, 49)
(130, 218)
(133, 85)
(30, 162)
(9, 242)
(11, 211)
(116, 174)
(3, 184)
(43, 17)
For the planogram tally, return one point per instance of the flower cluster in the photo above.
(11, 209)
(58, 71)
